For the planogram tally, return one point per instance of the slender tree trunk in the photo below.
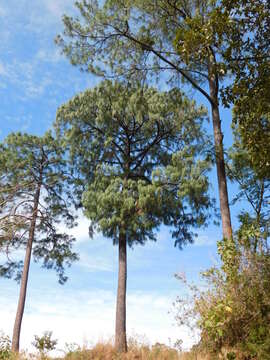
(24, 280)
(120, 327)
(219, 153)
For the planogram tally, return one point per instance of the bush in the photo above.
(44, 344)
(233, 314)
(5, 347)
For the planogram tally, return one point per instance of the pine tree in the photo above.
(139, 155)
(172, 40)
(35, 195)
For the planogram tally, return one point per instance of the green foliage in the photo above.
(28, 163)
(44, 343)
(229, 255)
(161, 41)
(234, 312)
(253, 188)
(5, 347)
(246, 55)
(140, 38)
(235, 34)
(139, 154)
(199, 39)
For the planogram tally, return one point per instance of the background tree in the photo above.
(139, 154)
(255, 191)
(246, 29)
(34, 189)
(124, 38)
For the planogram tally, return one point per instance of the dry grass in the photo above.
(136, 351)
(105, 351)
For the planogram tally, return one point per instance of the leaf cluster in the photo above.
(253, 188)
(247, 57)
(44, 343)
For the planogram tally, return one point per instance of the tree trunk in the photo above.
(24, 280)
(120, 327)
(219, 153)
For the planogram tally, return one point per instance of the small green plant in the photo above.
(44, 344)
(5, 347)
(231, 356)
(71, 350)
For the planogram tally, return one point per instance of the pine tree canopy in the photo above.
(132, 37)
(140, 154)
(28, 163)
(172, 41)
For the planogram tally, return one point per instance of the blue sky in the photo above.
(34, 80)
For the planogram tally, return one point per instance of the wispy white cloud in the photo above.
(44, 17)
(35, 16)
(25, 76)
(49, 55)
(3, 10)
(95, 263)
(81, 231)
(58, 7)
(33, 73)
(14, 256)
(204, 240)
(22, 122)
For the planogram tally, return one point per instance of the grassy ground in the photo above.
(107, 352)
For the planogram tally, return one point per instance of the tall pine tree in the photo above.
(139, 155)
(35, 195)
(130, 38)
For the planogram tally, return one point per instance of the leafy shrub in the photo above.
(234, 312)
(5, 347)
(44, 344)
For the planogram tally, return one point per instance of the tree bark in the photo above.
(23, 289)
(219, 153)
(120, 327)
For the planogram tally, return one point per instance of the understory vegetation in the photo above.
(138, 349)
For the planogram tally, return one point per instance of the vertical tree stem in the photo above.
(219, 153)
(23, 289)
(120, 327)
